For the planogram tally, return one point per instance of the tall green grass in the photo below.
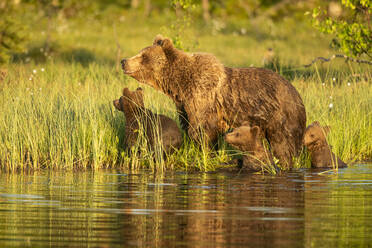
(63, 117)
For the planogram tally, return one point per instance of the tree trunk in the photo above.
(134, 4)
(147, 7)
(205, 5)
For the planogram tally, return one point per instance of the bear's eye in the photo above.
(144, 57)
(312, 135)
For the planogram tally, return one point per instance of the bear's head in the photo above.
(130, 101)
(315, 134)
(148, 66)
(245, 137)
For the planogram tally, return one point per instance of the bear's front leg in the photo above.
(203, 132)
(182, 116)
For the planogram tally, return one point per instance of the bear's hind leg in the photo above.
(282, 147)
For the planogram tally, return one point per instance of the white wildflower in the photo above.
(334, 79)
(34, 71)
(30, 79)
(330, 105)
(42, 69)
(348, 84)
(330, 97)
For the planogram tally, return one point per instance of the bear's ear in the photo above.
(326, 129)
(167, 45)
(158, 40)
(163, 42)
(255, 131)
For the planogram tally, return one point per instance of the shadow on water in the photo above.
(120, 209)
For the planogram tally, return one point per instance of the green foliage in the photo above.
(12, 33)
(353, 30)
(177, 30)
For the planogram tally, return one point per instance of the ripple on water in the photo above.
(296, 209)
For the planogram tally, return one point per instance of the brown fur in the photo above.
(249, 139)
(132, 104)
(316, 142)
(213, 98)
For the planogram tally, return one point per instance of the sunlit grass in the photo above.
(63, 117)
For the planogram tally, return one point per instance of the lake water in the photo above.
(115, 209)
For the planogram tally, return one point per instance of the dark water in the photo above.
(114, 209)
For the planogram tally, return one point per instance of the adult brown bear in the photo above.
(213, 97)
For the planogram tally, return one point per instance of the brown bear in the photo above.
(211, 97)
(156, 126)
(320, 152)
(250, 139)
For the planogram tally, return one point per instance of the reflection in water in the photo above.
(113, 209)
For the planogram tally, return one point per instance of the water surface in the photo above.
(116, 209)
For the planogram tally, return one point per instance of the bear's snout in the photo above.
(117, 104)
(123, 62)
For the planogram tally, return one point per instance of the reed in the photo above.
(57, 112)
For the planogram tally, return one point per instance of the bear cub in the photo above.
(250, 139)
(157, 127)
(320, 151)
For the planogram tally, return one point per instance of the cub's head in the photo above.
(245, 137)
(148, 65)
(315, 134)
(130, 101)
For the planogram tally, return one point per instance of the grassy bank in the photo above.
(57, 107)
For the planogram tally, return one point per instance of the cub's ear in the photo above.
(326, 129)
(245, 123)
(255, 131)
(315, 123)
(139, 91)
(126, 92)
